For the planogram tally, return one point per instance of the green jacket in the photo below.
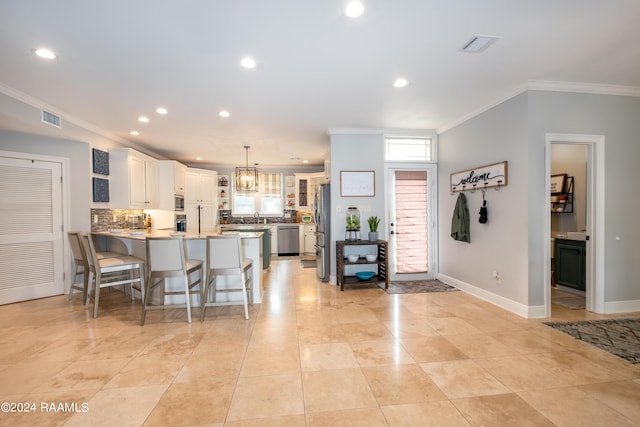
(460, 227)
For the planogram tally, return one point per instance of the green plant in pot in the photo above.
(374, 221)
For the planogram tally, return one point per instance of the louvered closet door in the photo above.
(31, 245)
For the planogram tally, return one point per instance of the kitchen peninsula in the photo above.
(133, 243)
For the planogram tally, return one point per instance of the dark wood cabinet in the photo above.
(570, 263)
(381, 263)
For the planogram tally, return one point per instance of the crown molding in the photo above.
(549, 86)
(496, 101)
(381, 131)
(38, 104)
(598, 89)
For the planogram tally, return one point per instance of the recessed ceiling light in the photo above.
(143, 119)
(479, 43)
(161, 110)
(44, 53)
(401, 82)
(198, 158)
(248, 62)
(354, 9)
(134, 133)
(224, 113)
(305, 161)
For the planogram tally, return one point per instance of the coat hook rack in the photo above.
(494, 175)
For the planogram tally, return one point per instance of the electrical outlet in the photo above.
(338, 208)
(115, 218)
(497, 277)
(95, 219)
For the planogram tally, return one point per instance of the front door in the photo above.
(412, 222)
(31, 236)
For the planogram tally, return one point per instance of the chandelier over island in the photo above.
(246, 177)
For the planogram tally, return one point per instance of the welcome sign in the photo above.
(488, 176)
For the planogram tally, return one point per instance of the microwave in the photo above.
(179, 203)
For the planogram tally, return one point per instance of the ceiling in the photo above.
(316, 68)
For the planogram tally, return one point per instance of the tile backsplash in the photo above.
(104, 219)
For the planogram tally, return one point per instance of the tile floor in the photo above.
(310, 355)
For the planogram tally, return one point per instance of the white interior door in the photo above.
(411, 222)
(31, 236)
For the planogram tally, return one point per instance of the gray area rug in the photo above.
(567, 299)
(617, 336)
(417, 287)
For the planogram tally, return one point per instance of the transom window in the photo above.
(413, 149)
(268, 200)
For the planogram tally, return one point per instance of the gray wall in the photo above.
(571, 159)
(513, 241)
(501, 244)
(356, 152)
(79, 155)
(617, 118)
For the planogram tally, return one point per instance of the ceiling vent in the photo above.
(479, 43)
(50, 119)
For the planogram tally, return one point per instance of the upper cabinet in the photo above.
(133, 180)
(201, 186)
(171, 181)
(305, 188)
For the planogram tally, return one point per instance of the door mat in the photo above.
(417, 287)
(567, 299)
(620, 337)
(308, 263)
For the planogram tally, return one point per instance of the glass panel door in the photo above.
(411, 223)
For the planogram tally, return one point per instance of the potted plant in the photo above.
(374, 221)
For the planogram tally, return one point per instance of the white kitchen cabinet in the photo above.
(308, 238)
(200, 198)
(171, 180)
(201, 186)
(274, 240)
(133, 180)
(305, 188)
(207, 217)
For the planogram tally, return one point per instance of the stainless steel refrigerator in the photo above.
(322, 219)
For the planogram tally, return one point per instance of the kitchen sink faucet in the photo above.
(256, 215)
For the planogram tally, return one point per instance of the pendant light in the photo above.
(246, 177)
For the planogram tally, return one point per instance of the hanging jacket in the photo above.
(460, 224)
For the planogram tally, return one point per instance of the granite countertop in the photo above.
(143, 234)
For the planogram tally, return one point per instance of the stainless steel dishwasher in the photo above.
(288, 240)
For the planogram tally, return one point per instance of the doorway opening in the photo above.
(582, 157)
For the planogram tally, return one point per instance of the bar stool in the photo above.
(225, 258)
(166, 258)
(109, 272)
(80, 264)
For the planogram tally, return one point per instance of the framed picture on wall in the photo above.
(357, 183)
(557, 183)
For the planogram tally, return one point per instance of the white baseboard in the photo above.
(622, 306)
(522, 310)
